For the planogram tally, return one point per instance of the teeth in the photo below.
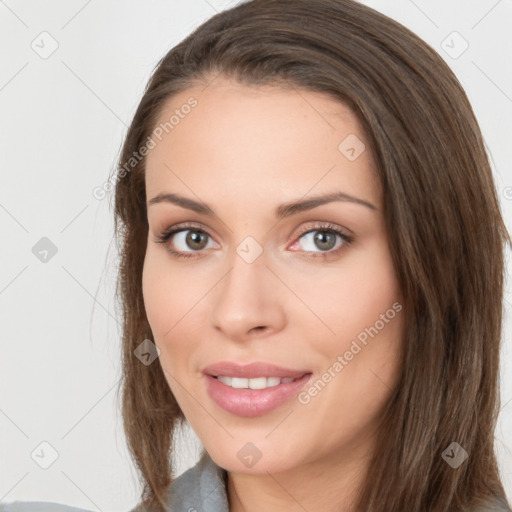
(237, 382)
(258, 383)
(255, 383)
(225, 380)
(272, 381)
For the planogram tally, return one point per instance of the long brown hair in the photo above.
(446, 236)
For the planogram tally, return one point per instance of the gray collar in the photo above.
(202, 487)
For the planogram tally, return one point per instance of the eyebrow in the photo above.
(282, 211)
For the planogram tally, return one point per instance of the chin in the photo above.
(250, 458)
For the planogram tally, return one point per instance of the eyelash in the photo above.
(327, 227)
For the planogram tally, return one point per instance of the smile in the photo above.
(254, 383)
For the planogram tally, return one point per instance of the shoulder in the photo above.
(38, 506)
(202, 487)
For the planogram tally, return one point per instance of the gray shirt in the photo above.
(201, 488)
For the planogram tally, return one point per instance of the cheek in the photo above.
(157, 300)
(164, 309)
(356, 296)
(172, 303)
(165, 306)
(363, 307)
(168, 295)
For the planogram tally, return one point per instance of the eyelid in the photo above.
(183, 226)
(319, 225)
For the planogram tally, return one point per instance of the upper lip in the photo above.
(252, 370)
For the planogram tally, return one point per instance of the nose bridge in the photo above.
(246, 298)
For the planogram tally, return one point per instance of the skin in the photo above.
(244, 151)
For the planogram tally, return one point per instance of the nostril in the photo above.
(258, 329)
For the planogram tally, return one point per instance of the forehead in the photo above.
(262, 139)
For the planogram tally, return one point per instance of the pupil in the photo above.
(194, 239)
(320, 240)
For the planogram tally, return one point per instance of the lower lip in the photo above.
(252, 402)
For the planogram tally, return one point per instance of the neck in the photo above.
(330, 484)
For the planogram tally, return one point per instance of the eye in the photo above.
(188, 239)
(191, 240)
(322, 241)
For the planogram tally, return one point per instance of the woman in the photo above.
(279, 102)
(308, 225)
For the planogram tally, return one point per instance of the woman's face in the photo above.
(284, 262)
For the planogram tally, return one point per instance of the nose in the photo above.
(248, 302)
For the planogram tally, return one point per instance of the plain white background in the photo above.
(63, 119)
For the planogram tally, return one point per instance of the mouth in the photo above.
(252, 370)
(254, 389)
